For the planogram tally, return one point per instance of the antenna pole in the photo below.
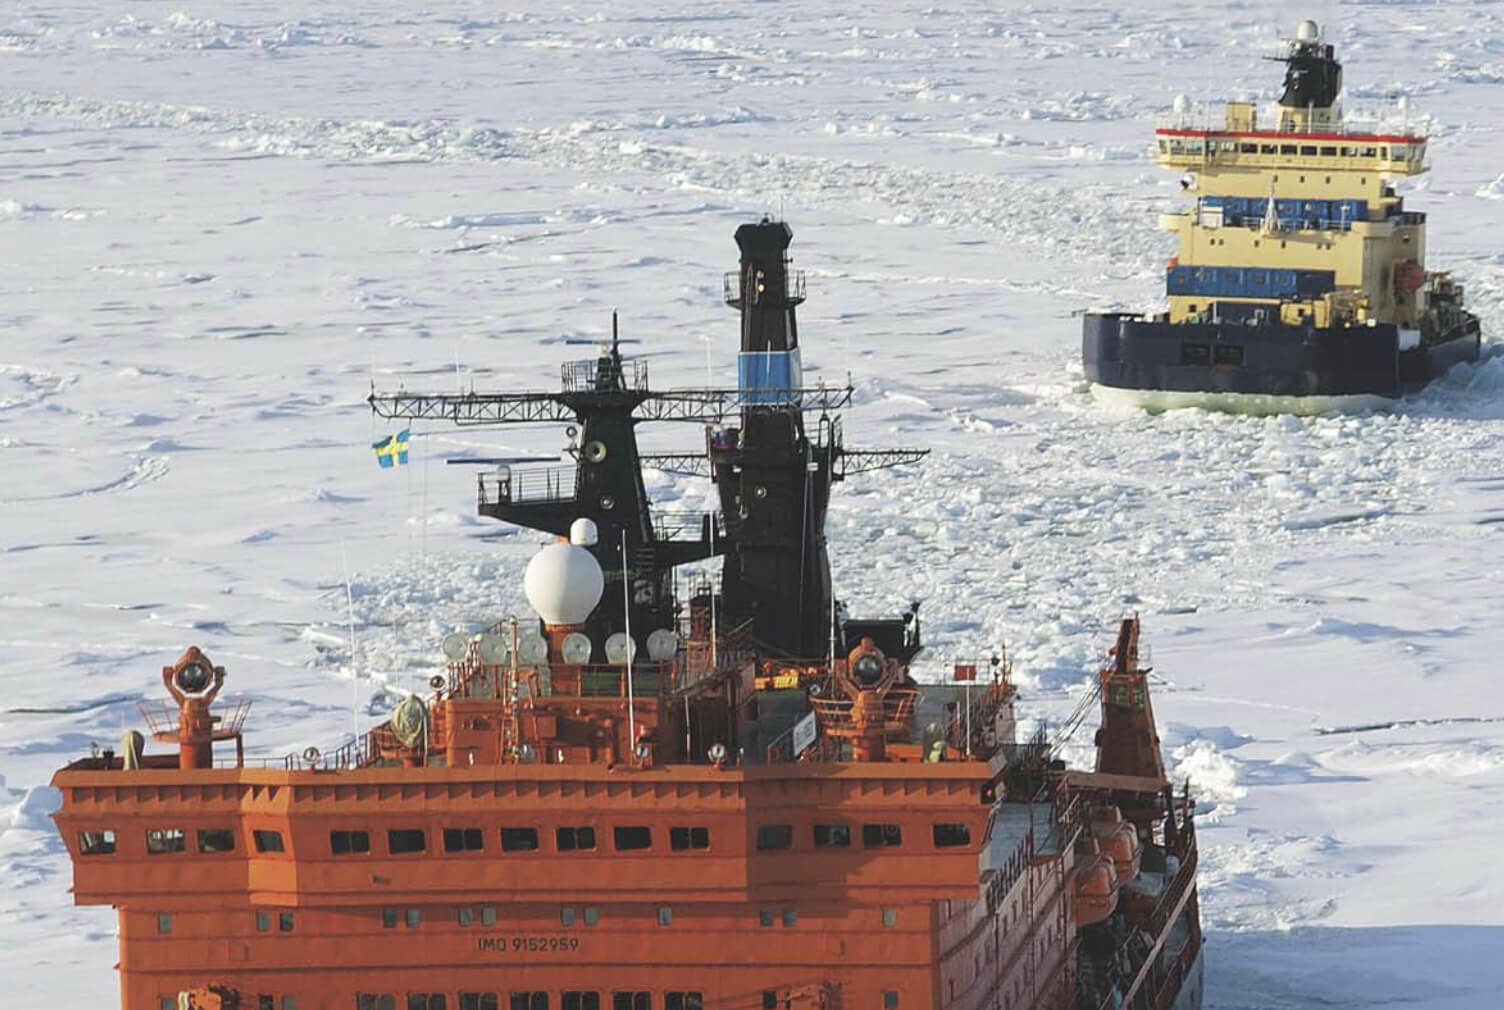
(626, 600)
(350, 607)
(713, 659)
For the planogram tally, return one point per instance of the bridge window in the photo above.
(832, 836)
(162, 840)
(766, 916)
(96, 843)
(488, 915)
(466, 916)
(216, 840)
(1248, 149)
(574, 839)
(1227, 354)
(375, 1001)
(631, 1000)
(345, 842)
(463, 840)
(263, 922)
(413, 917)
(519, 839)
(775, 836)
(770, 999)
(675, 1000)
(890, 918)
(665, 915)
(1195, 354)
(529, 1001)
(388, 918)
(164, 923)
(632, 837)
(400, 841)
(567, 915)
(592, 915)
(266, 1001)
(427, 1001)
(580, 1000)
(881, 836)
(682, 838)
(790, 917)
(949, 836)
(289, 1003)
(479, 1001)
(284, 922)
(267, 841)
(890, 999)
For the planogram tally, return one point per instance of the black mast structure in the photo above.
(777, 573)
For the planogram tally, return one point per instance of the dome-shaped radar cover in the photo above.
(563, 583)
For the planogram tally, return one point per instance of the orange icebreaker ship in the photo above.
(583, 816)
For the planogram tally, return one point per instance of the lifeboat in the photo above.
(1118, 840)
(1096, 885)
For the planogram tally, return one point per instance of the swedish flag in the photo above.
(392, 450)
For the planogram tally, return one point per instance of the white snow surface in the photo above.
(224, 220)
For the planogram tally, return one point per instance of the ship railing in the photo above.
(163, 718)
(687, 525)
(604, 373)
(509, 486)
(731, 289)
(353, 753)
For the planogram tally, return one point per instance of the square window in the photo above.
(574, 839)
(665, 915)
(766, 916)
(682, 838)
(343, 843)
(467, 916)
(164, 923)
(463, 840)
(832, 836)
(284, 922)
(566, 916)
(683, 1001)
(217, 840)
(478, 1001)
(949, 836)
(167, 1003)
(96, 843)
(529, 1001)
(389, 918)
(580, 1001)
(519, 839)
(632, 837)
(774, 836)
(631, 1000)
(162, 840)
(266, 1001)
(401, 841)
(790, 917)
(289, 1003)
(770, 999)
(426, 1001)
(413, 917)
(878, 836)
(592, 915)
(267, 841)
(890, 918)
(488, 916)
(263, 922)
(890, 999)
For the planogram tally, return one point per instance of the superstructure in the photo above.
(1299, 277)
(626, 802)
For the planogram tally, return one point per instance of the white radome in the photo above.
(583, 533)
(1308, 31)
(563, 583)
(1182, 104)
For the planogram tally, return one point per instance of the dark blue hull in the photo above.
(1134, 353)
